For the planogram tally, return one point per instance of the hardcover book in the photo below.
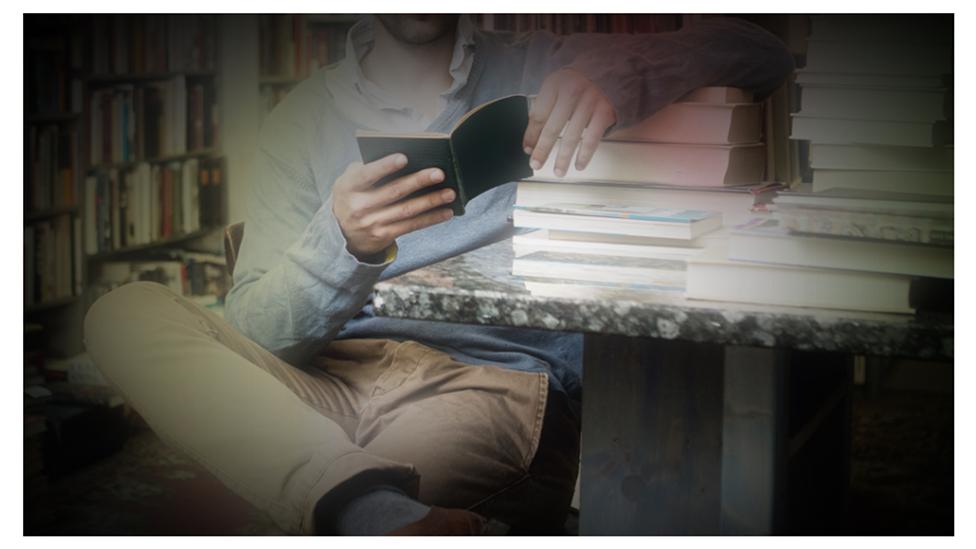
(483, 151)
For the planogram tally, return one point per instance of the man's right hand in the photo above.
(372, 218)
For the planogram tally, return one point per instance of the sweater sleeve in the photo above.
(295, 282)
(641, 73)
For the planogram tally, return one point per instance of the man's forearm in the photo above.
(645, 72)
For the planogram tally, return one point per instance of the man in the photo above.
(332, 419)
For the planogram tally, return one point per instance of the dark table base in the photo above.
(691, 438)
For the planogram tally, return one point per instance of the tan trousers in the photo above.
(367, 412)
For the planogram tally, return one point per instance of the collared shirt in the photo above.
(297, 287)
(395, 115)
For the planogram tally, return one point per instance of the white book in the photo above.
(697, 123)
(667, 163)
(541, 241)
(842, 131)
(601, 268)
(806, 77)
(876, 103)
(190, 196)
(935, 183)
(712, 277)
(935, 207)
(620, 220)
(764, 240)
(576, 290)
(734, 203)
(880, 157)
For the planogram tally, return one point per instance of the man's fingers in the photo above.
(541, 108)
(372, 172)
(573, 132)
(404, 186)
(603, 117)
(409, 209)
(565, 105)
(422, 221)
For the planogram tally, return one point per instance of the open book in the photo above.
(483, 151)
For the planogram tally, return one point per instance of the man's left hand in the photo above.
(571, 105)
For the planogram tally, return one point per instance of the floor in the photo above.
(901, 482)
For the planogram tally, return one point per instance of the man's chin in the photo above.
(419, 29)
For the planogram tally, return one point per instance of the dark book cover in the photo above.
(483, 151)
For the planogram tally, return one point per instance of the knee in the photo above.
(118, 313)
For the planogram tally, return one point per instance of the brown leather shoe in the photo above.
(445, 522)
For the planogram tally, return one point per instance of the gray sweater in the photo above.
(296, 287)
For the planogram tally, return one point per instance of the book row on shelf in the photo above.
(137, 44)
(52, 260)
(158, 119)
(292, 46)
(142, 206)
(579, 22)
(151, 202)
(52, 167)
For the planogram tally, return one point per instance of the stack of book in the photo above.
(651, 194)
(151, 202)
(877, 103)
(874, 232)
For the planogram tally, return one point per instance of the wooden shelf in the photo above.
(50, 305)
(158, 244)
(108, 79)
(156, 160)
(31, 217)
(53, 118)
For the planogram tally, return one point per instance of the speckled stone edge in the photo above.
(930, 340)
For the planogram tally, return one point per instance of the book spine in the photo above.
(461, 200)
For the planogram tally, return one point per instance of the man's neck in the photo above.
(416, 74)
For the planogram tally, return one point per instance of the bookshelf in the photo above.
(110, 96)
(292, 46)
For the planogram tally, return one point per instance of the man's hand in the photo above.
(371, 218)
(568, 103)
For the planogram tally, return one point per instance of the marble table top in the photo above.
(478, 288)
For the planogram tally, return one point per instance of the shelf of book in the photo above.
(292, 47)
(102, 94)
(154, 245)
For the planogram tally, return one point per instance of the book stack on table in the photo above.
(651, 197)
(877, 103)
(874, 232)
